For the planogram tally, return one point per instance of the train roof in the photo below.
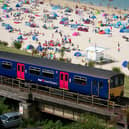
(54, 64)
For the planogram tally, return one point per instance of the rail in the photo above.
(30, 87)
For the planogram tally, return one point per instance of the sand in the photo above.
(110, 43)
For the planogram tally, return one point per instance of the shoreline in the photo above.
(72, 4)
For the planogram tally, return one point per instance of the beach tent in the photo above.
(20, 37)
(34, 38)
(104, 14)
(30, 46)
(18, 5)
(107, 31)
(115, 17)
(125, 63)
(56, 7)
(124, 30)
(75, 34)
(93, 17)
(8, 26)
(69, 10)
(101, 32)
(74, 26)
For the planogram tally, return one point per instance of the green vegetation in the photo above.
(3, 108)
(91, 63)
(3, 43)
(89, 122)
(116, 69)
(62, 52)
(126, 86)
(17, 44)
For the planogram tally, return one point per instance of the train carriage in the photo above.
(75, 78)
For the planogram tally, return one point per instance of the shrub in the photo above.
(3, 43)
(17, 44)
(116, 69)
(91, 63)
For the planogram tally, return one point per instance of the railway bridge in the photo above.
(59, 102)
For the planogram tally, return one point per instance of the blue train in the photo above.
(75, 78)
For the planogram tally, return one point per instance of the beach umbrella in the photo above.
(93, 17)
(17, 5)
(125, 63)
(78, 54)
(30, 46)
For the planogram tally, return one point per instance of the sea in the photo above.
(118, 4)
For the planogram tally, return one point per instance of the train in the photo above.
(85, 80)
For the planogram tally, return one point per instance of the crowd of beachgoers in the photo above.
(45, 25)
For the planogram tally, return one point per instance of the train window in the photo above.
(61, 76)
(48, 73)
(116, 81)
(6, 65)
(34, 71)
(80, 80)
(100, 84)
(18, 67)
(94, 82)
(121, 80)
(22, 68)
(66, 77)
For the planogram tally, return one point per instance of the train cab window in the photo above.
(6, 65)
(100, 84)
(80, 80)
(34, 71)
(48, 73)
(121, 80)
(116, 81)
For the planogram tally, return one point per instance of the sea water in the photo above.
(120, 4)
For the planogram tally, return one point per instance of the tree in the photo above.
(116, 69)
(3, 108)
(91, 63)
(17, 44)
(62, 51)
(128, 65)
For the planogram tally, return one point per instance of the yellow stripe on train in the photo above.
(117, 91)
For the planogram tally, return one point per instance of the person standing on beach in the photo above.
(89, 40)
(118, 45)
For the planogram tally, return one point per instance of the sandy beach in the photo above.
(42, 30)
(72, 4)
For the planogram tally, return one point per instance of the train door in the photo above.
(64, 77)
(95, 88)
(20, 71)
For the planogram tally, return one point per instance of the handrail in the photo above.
(63, 94)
